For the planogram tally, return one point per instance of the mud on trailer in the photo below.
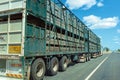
(41, 36)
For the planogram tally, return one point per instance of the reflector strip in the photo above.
(16, 65)
(14, 49)
(14, 75)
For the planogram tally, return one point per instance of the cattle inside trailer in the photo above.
(41, 36)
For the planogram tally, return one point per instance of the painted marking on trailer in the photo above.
(88, 77)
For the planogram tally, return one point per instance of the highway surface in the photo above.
(106, 67)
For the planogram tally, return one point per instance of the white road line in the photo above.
(88, 77)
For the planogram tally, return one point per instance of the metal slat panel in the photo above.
(15, 38)
(16, 25)
(11, 4)
(3, 27)
(3, 49)
(3, 38)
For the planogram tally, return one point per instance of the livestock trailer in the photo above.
(41, 36)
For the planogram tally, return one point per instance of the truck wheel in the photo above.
(72, 58)
(86, 58)
(79, 59)
(89, 57)
(63, 63)
(38, 69)
(53, 66)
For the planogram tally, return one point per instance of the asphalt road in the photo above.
(109, 70)
(106, 67)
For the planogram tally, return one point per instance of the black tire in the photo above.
(54, 64)
(89, 57)
(38, 69)
(86, 58)
(63, 63)
(72, 58)
(79, 59)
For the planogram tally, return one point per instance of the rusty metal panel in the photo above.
(37, 8)
(35, 42)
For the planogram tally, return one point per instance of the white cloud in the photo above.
(118, 30)
(100, 37)
(95, 22)
(76, 4)
(84, 4)
(100, 4)
(116, 40)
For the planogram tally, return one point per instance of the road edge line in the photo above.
(88, 77)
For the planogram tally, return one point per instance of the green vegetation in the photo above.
(106, 49)
(118, 50)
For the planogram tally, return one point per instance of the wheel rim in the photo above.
(65, 64)
(55, 66)
(40, 70)
(79, 58)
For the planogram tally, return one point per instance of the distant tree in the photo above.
(118, 50)
(106, 49)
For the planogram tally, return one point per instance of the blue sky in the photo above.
(102, 16)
